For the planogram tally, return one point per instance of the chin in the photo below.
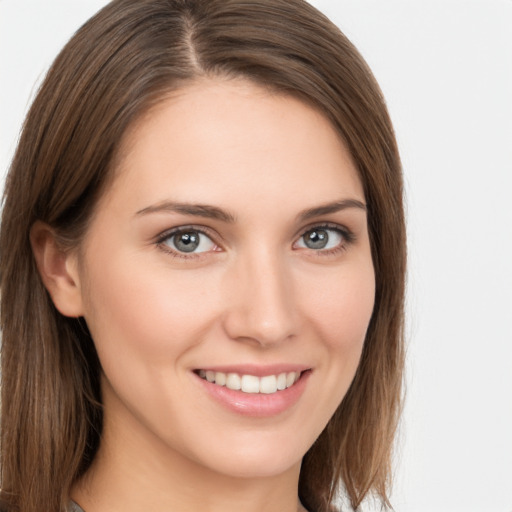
(260, 457)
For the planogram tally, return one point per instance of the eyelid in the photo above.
(168, 233)
(185, 227)
(346, 233)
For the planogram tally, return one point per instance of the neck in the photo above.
(132, 473)
(108, 487)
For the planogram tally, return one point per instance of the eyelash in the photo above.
(167, 235)
(348, 238)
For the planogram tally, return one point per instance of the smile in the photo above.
(268, 384)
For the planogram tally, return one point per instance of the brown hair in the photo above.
(117, 65)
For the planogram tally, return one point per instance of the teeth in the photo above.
(290, 379)
(268, 384)
(249, 383)
(281, 381)
(233, 381)
(220, 378)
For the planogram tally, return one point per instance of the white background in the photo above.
(445, 67)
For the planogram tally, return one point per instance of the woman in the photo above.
(202, 264)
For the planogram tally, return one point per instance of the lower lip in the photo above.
(257, 404)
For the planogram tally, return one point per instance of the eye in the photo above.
(188, 241)
(322, 238)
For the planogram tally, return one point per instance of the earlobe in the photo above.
(58, 270)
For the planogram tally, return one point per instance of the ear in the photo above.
(58, 269)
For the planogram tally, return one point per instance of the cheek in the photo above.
(133, 308)
(343, 308)
(341, 314)
(338, 307)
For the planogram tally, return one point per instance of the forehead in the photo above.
(232, 138)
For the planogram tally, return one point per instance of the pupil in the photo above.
(187, 242)
(317, 239)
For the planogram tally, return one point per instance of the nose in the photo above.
(261, 308)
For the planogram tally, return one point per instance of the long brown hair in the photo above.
(117, 65)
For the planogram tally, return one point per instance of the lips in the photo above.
(255, 391)
(247, 383)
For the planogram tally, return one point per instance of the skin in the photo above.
(256, 294)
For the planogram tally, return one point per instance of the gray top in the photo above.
(74, 507)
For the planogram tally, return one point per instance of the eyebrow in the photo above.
(214, 212)
(328, 208)
(197, 210)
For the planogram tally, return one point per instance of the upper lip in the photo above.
(257, 370)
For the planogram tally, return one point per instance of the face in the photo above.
(231, 251)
